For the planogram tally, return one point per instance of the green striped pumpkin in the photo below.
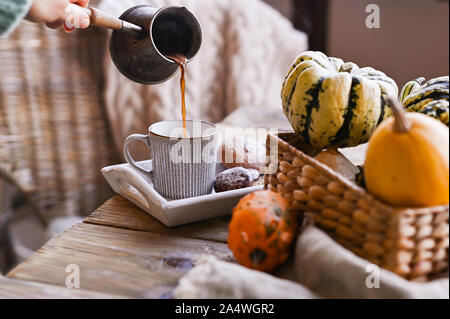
(335, 104)
(430, 98)
(410, 87)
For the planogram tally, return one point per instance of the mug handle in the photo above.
(126, 150)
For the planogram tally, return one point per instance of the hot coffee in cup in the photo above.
(184, 161)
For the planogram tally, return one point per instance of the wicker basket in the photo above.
(413, 243)
(54, 134)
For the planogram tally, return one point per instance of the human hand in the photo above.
(55, 13)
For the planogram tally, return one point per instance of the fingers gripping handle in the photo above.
(126, 150)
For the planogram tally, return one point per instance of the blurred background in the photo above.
(413, 40)
(51, 156)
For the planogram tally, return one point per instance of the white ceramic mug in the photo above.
(184, 164)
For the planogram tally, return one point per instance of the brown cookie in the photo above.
(232, 179)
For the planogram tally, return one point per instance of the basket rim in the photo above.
(354, 187)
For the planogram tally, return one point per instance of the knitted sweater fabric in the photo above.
(11, 13)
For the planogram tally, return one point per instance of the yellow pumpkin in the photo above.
(407, 162)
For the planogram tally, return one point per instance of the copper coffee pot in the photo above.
(144, 35)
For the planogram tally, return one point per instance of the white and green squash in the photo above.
(430, 98)
(330, 103)
(411, 87)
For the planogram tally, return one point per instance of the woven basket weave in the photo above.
(54, 135)
(414, 243)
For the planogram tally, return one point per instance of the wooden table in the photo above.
(121, 252)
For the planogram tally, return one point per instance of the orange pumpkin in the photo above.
(262, 230)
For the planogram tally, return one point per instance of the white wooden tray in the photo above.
(138, 188)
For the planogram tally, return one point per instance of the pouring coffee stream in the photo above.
(148, 44)
(181, 60)
(143, 37)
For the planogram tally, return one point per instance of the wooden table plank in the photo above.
(19, 289)
(119, 212)
(123, 251)
(117, 261)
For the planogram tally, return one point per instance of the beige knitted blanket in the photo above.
(320, 268)
(247, 49)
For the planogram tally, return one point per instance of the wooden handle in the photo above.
(102, 19)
